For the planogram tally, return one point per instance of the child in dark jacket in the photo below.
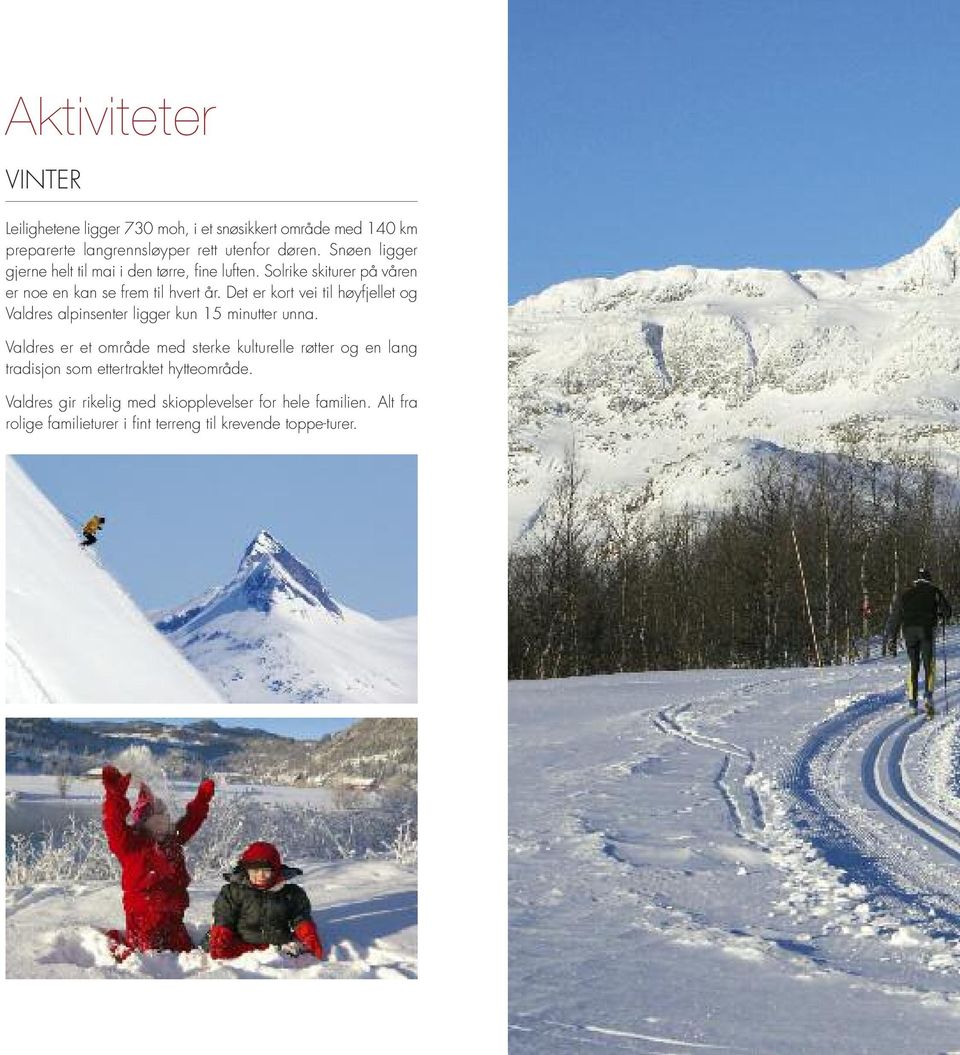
(258, 908)
(154, 875)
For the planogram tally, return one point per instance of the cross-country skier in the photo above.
(90, 529)
(153, 872)
(916, 611)
(259, 908)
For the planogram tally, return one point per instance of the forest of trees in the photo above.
(800, 569)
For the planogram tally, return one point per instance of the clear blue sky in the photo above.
(295, 728)
(177, 525)
(727, 133)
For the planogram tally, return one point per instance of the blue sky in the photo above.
(177, 525)
(727, 133)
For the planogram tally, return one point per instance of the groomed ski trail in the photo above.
(906, 850)
(852, 801)
(888, 784)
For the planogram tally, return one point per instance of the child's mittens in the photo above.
(117, 944)
(224, 944)
(306, 933)
(205, 791)
(292, 948)
(114, 781)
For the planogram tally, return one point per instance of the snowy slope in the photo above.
(274, 633)
(677, 380)
(365, 911)
(73, 635)
(750, 861)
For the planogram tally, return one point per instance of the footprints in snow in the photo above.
(733, 782)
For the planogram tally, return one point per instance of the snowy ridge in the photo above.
(73, 635)
(274, 632)
(934, 266)
(674, 382)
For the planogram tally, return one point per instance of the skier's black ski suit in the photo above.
(916, 611)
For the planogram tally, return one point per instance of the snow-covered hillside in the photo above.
(746, 861)
(677, 380)
(382, 751)
(274, 633)
(73, 635)
(365, 911)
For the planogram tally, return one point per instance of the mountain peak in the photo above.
(949, 234)
(935, 265)
(269, 571)
(268, 576)
(264, 544)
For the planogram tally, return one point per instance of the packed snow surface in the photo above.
(73, 635)
(275, 634)
(365, 911)
(673, 383)
(744, 861)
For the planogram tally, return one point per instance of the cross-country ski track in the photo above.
(754, 861)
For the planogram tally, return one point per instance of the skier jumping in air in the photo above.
(90, 529)
(259, 908)
(916, 611)
(153, 872)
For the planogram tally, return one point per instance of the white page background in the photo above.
(360, 100)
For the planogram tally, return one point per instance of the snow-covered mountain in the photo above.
(274, 633)
(674, 382)
(73, 636)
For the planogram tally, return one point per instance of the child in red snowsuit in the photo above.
(153, 872)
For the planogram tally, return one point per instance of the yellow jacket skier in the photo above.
(91, 528)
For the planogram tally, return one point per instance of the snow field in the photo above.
(758, 861)
(366, 912)
(296, 654)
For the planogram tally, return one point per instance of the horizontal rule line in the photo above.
(214, 201)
